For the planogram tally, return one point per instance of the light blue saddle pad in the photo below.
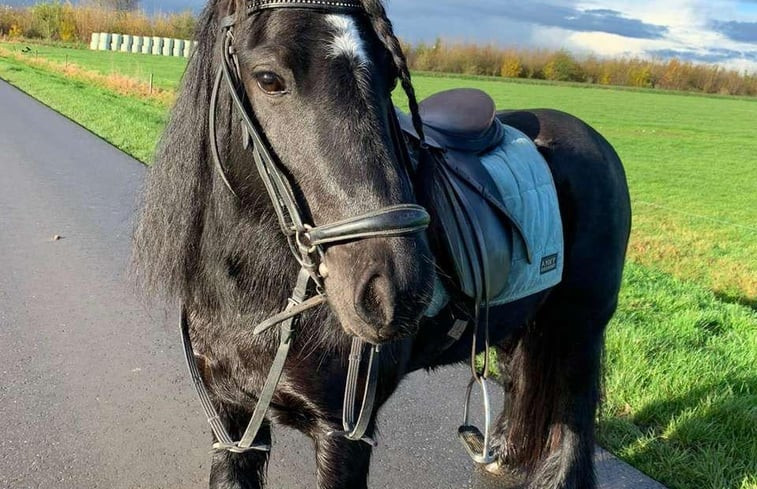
(528, 191)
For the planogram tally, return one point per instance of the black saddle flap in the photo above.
(471, 237)
(471, 230)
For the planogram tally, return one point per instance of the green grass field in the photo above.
(166, 71)
(681, 384)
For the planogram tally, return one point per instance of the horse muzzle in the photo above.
(379, 288)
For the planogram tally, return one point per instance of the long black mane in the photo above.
(193, 242)
(175, 198)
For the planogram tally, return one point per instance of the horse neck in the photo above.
(245, 259)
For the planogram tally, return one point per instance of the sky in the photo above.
(723, 32)
(713, 31)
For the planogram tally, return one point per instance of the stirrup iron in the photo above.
(477, 444)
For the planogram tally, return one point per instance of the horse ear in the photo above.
(225, 8)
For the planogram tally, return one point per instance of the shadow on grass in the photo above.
(750, 303)
(705, 439)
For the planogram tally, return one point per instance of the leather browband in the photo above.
(258, 5)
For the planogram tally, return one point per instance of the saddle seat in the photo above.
(461, 119)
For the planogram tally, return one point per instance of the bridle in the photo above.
(306, 243)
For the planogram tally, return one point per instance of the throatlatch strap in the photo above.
(219, 430)
(277, 368)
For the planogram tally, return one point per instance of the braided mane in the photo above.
(385, 32)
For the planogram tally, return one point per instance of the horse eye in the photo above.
(271, 83)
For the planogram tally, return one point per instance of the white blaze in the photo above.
(347, 40)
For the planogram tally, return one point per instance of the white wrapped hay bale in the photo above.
(126, 41)
(157, 45)
(147, 45)
(178, 47)
(167, 46)
(94, 44)
(136, 44)
(115, 42)
(104, 41)
(187, 48)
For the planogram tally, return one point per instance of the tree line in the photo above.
(66, 22)
(541, 64)
(58, 21)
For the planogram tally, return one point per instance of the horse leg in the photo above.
(342, 464)
(552, 378)
(239, 470)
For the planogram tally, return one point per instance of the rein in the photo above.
(306, 244)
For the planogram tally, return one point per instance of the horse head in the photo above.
(316, 85)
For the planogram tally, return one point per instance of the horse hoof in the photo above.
(495, 468)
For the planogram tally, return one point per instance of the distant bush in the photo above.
(563, 67)
(63, 21)
(512, 67)
(58, 21)
(560, 65)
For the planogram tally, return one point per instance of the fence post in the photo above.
(150, 83)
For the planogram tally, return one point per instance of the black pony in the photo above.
(319, 83)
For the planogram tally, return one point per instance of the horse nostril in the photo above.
(375, 300)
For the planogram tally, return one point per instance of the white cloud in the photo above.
(690, 32)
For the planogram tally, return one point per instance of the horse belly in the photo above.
(434, 347)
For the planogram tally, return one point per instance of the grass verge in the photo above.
(681, 384)
(166, 70)
(129, 123)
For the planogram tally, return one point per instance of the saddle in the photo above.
(472, 230)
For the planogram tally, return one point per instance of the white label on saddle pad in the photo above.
(548, 263)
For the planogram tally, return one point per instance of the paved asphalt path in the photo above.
(93, 390)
